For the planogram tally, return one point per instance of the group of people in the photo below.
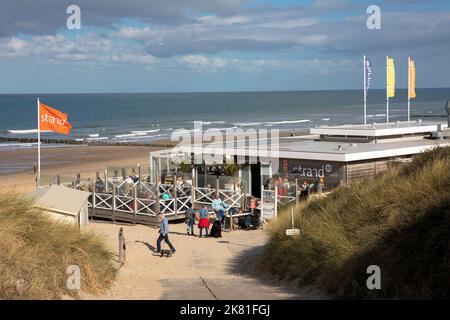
(201, 218)
(193, 217)
(287, 189)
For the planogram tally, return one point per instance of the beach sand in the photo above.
(68, 161)
(201, 268)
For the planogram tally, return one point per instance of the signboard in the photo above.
(268, 205)
(268, 211)
(292, 232)
(312, 171)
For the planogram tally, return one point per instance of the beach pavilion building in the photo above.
(273, 169)
(338, 154)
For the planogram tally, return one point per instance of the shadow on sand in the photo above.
(244, 264)
(148, 245)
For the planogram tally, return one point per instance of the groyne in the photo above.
(160, 144)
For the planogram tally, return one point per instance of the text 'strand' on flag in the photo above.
(51, 119)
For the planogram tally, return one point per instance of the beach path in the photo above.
(202, 268)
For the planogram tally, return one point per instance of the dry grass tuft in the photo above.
(35, 252)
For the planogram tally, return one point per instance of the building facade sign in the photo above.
(312, 170)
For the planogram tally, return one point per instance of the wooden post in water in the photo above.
(58, 180)
(139, 171)
(124, 173)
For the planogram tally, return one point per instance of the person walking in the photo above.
(203, 222)
(164, 234)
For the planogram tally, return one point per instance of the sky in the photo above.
(218, 45)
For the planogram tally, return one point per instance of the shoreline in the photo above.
(86, 159)
(163, 142)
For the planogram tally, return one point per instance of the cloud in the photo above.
(322, 38)
(47, 16)
(266, 31)
(89, 49)
(258, 66)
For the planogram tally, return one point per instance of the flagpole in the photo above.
(387, 89)
(365, 91)
(38, 179)
(409, 87)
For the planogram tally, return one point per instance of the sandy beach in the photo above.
(68, 160)
(201, 268)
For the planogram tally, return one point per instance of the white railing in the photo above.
(103, 201)
(204, 195)
(145, 206)
(124, 204)
(182, 204)
(167, 206)
(231, 198)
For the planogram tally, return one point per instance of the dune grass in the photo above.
(399, 221)
(35, 252)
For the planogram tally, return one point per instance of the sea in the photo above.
(149, 117)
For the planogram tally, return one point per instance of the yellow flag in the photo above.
(412, 79)
(390, 78)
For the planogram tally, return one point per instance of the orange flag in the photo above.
(53, 120)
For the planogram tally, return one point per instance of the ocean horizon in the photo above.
(147, 117)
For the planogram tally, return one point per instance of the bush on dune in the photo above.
(399, 221)
(35, 252)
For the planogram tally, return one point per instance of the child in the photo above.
(203, 221)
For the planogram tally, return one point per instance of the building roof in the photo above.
(346, 152)
(310, 148)
(59, 199)
(379, 129)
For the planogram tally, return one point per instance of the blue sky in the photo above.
(217, 45)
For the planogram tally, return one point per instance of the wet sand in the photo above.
(68, 161)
